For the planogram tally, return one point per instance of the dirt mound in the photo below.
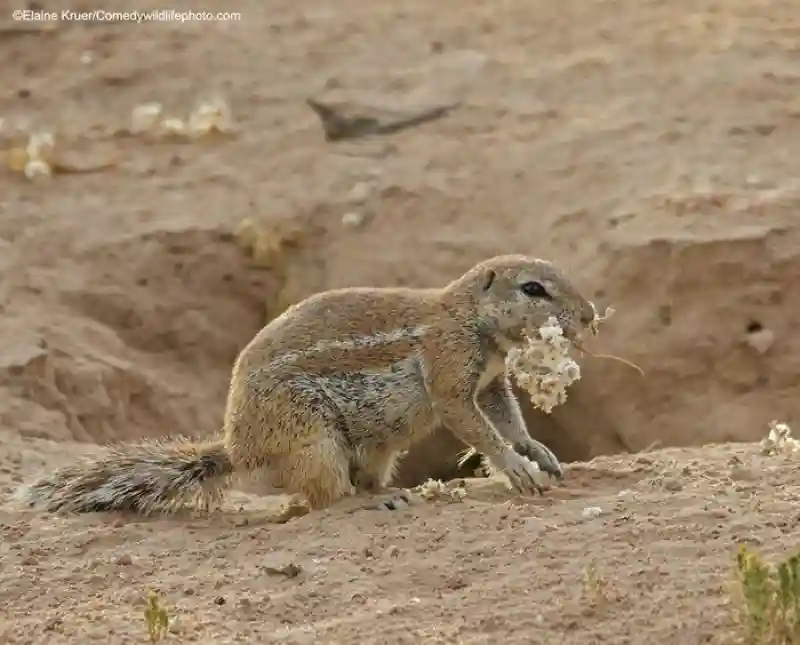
(713, 333)
(128, 334)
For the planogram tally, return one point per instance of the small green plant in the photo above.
(594, 585)
(156, 618)
(770, 597)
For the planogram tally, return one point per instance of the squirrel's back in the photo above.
(340, 316)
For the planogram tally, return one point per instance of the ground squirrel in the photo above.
(327, 396)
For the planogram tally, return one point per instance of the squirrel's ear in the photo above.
(488, 279)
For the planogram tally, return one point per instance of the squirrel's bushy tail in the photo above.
(146, 478)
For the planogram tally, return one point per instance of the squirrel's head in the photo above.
(515, 293)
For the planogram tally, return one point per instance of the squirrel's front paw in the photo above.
(542, 456)
(524, 475)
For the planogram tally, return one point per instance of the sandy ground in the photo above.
(649, 147)
(627, 547)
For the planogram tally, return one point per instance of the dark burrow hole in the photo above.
(753, 327)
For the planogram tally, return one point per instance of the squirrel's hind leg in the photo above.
(291, 430)
(319, 471)
(371, 473)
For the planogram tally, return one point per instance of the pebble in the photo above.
(123, 559)
(360, 192)
(591, 511)
(761, 340)
(352, 220)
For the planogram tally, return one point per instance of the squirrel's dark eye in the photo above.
(534, 290)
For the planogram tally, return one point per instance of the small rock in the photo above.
(219, 600)
(456, 583)
(351, 118)
(291, 511)
(123, 559)
(754, 181)
(52, 623)
(290, 570)
(591, 511)
(672, 484)
(754, 540)
(175, 625)
(367, 552)
(764, 129)
(760, 340)
(360, 192)
(393, 551)
(352, 220)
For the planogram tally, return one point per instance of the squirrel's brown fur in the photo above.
(326, 397)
